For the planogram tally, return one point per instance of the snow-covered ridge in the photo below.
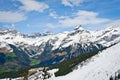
(100, 67)
(106, 37)
(11, 36)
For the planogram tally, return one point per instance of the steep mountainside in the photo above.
(99, 67)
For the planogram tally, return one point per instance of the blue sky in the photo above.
(29, 16)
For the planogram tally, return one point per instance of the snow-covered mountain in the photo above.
(99, 67)
(108, 36)
(53, 48)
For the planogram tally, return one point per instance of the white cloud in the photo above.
(33, 5)
(11, 17)
(56, 16)
(114, 23)
(84, 18)
(72, 3)
(53, 14)
(49, 25)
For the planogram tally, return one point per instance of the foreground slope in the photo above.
(99, 67)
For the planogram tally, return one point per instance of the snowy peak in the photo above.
(78, 27)
(8, 31)
(108, 36)
(37, 34)
(34, 35)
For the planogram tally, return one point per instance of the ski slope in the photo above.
(100, 67)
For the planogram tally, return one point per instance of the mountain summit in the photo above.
(78, 27)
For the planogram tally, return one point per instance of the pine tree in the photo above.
(111, 78)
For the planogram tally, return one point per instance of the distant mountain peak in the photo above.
(112, 27)
(6, 31)
(48, 33)
(79, 27)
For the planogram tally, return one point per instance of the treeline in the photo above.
(116, 76)
(22, 72)
(67, 66)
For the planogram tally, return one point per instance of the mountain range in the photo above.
(44, 49)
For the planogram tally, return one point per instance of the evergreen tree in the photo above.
(111, 78)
